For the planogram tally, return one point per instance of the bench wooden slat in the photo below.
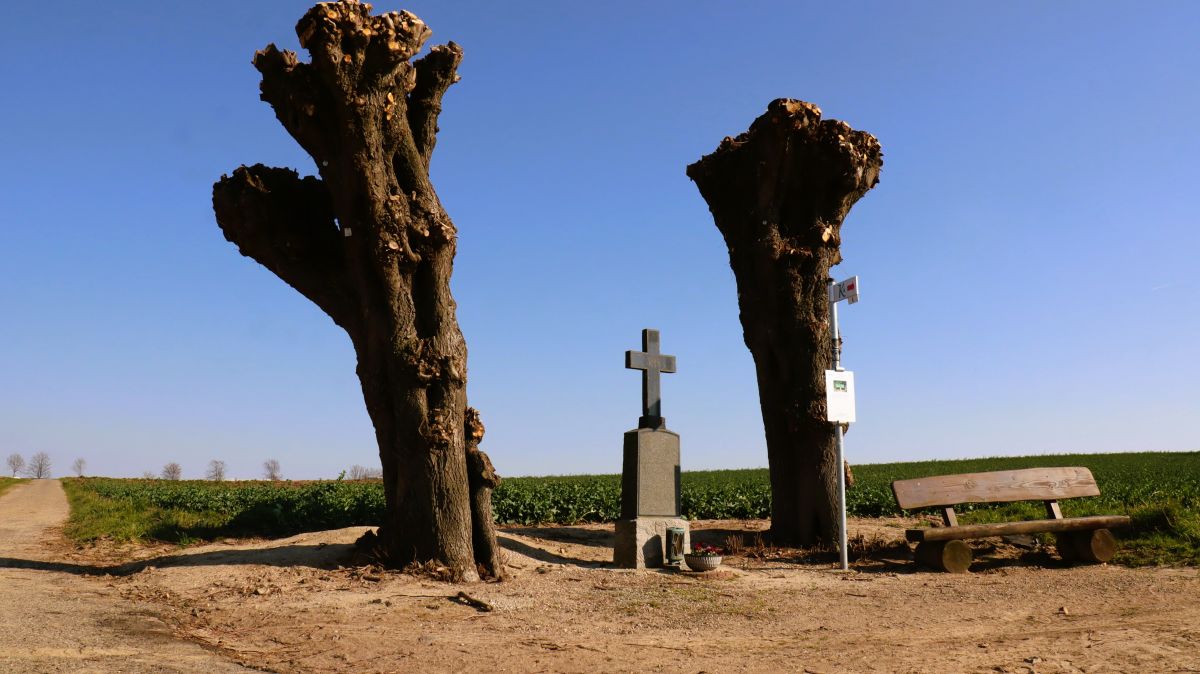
(1029, 484)
(1008, 528)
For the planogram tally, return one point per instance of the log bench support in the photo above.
(1078, 539)
(952, 556)
(1097, 545)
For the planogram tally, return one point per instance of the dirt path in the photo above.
(300, 605)
(287, 606)
(54, 620)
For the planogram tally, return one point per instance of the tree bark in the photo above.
(482, 478)
(370, 244)
(779, 193)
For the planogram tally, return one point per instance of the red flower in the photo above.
(704, 550)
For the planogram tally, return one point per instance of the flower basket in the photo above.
(703, 557)
(702, 562)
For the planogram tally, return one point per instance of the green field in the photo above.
(1161, 491)
(8, 482)
(193, 510)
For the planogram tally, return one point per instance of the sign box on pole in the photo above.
(839, 396)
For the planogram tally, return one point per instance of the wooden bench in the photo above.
(1079, 538)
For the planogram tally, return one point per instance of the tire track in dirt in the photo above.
(53, 620)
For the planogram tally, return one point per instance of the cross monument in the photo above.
(650, 476)
(652, 364)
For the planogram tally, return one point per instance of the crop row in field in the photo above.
(1127, 481)
(257, 507)
(182, 510)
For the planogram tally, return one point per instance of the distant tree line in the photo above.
(38, 466)
(215, 472)
(358, 472)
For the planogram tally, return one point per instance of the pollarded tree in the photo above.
(78, 467)
(272, 471)
(779, 194)
(15, 463)
(370, 244)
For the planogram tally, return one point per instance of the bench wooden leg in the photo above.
(1065, 542)
(1098, 545)
(952, 556)
(1095, 546)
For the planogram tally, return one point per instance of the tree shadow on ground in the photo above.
(874, 554)
(320, 556)
(512, 544)
(986, 556)
(598, 538)
(992, 557)
(262, 521)
(721, 537)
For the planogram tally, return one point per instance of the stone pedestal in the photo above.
(641, 543)
(649, 498)
(650, 474)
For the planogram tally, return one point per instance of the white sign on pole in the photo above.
(846, 290)
(839, 396)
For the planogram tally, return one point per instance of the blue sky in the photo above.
(1027, 260)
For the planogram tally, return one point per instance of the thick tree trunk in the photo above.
(370, 244)
(779, 193)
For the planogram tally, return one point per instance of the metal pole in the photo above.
(835, 333)
(841, 450)
(841, 471)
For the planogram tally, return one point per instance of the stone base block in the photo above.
(641, 543)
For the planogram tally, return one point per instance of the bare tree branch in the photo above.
(287, 225)
(436, 71)
(291, 89)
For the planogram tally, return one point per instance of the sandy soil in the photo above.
(54, 620)
(288, 606)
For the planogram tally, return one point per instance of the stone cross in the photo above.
(652, 363)
(650, 474)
